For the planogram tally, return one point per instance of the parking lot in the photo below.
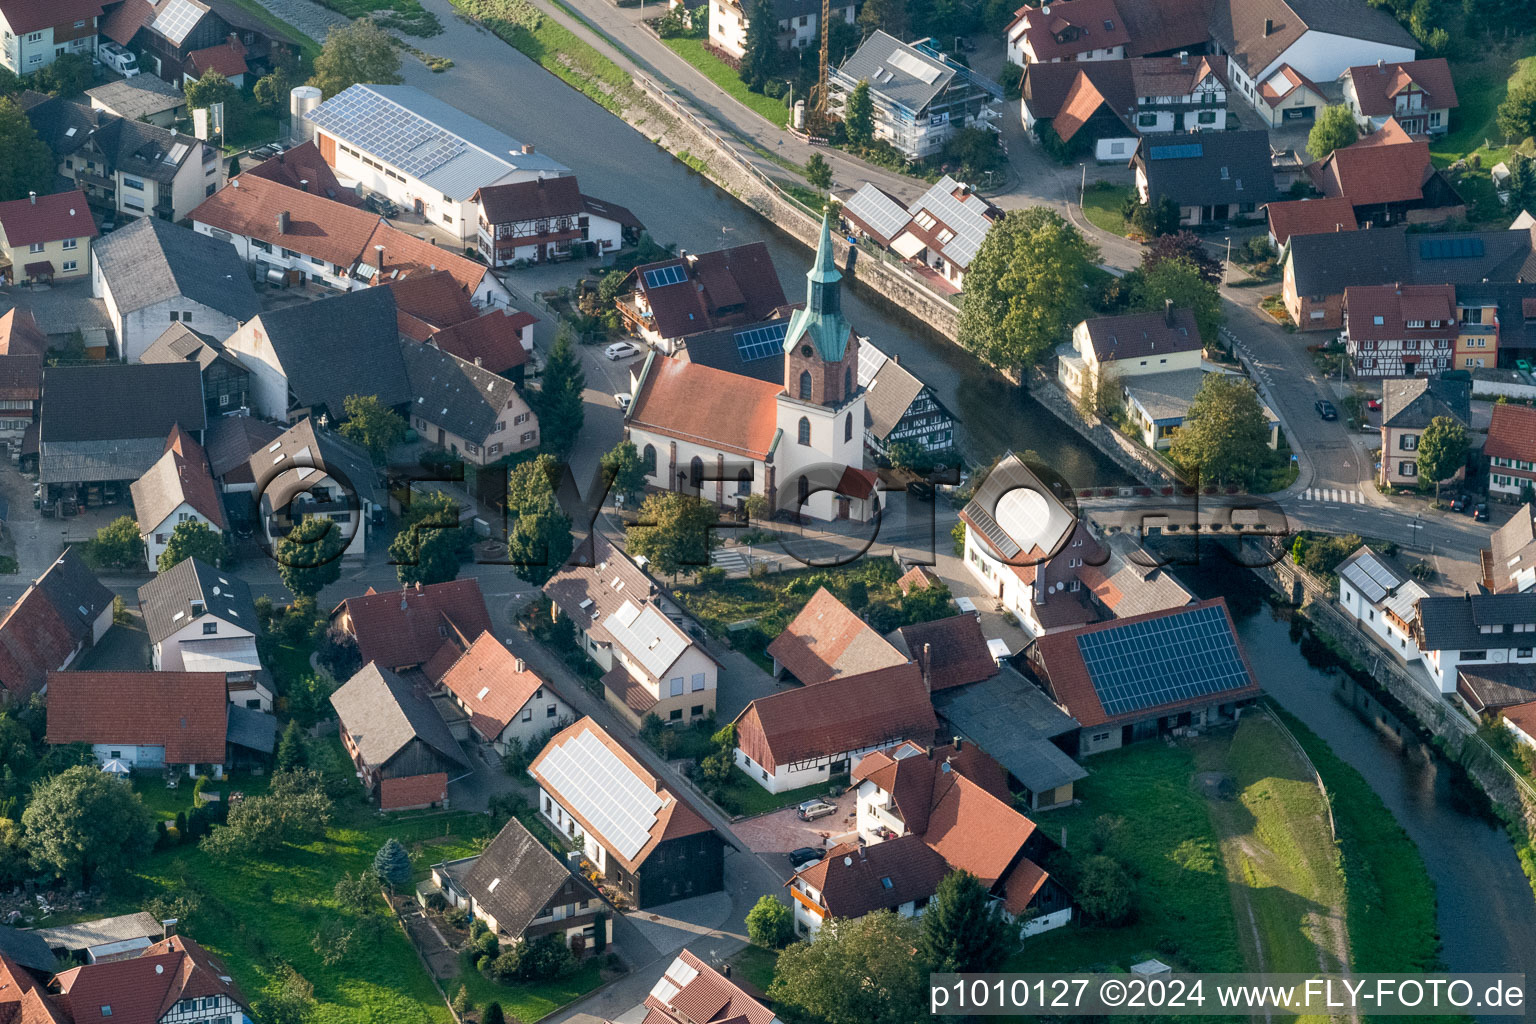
(774, 834)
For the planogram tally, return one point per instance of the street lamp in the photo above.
(1227, 267)
(1082, 190)
(1417, 516)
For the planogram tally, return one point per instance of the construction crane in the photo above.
(818, 121)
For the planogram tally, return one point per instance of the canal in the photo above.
(1486, 913)
(615, 162)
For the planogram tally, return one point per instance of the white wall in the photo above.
(154, 545)
(167, 653)
(23, 54)
(130, 754)
(533, 719)
(268, 384)
(1375, 619)
(1324, 56)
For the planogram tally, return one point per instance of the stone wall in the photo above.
(1128, 455)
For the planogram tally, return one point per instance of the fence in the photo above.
(1316, 775)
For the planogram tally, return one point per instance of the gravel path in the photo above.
(306, 16)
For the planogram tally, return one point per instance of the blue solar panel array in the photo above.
(1163, 660)
(761, 342)
(1184, 151)
(1450, 248)
(675, 274)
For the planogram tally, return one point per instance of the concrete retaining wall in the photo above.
(1126, 453)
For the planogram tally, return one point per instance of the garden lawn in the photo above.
(1167, 842)
(756, 965)
(1102, 205)
(1481, 86)
(722, 74)
(534, 1000)
(748, 799)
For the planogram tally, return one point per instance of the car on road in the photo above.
(621, 350)
(1373, 404)
(813, 809)
(1480, 513)
(623, 398)
(803, 856)
(922, 490)
(1461, 503)
(118, 59)
(1326, 410)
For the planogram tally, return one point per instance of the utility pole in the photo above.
(1226, 268)
(1082, 189)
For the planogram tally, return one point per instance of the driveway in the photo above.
(771, 836)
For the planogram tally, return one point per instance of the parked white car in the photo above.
(118, 59)
(623, 398)
(621, 350)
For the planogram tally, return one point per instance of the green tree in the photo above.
(1443, 449)
(356, 52)
(812, 978)
(309, 558)
(623, 471)
(291, 1002)
(26, 162)
(1152, 220)
(69, 75)
(962, 929)
(673, 532)
(859, 117)
(889, 16)
(539, 542)
(191, 539)
(372, 425)
(1516, 118)
(393, 865)
(271, 90)
(213, 88)
(84, 826)
(1104, 892)
(1024, 290)
(294, 809)
(1522, 182)
(818, 172)
(1225, 436)
(118, 544)
(770, 923)
(558, 400)
(760, 54)
(1181, 281)
(357, 893)
(292, 751)
(1334, 129)
(1186, 246)
(431, 543)
(493, 1015)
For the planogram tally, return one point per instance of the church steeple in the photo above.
(821, 354)
(824, 292)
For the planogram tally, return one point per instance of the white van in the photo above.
(118, 59)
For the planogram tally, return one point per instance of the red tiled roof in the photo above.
(694, 402)
(1138, 335)
(1512, 433)
(827, 640)
(20, 335)
(404, 628)
(675, 819)
(124, 23)
(1099, 21)
(1387, 166)
(404, 791)
(493, 341)
(627, 690)
(303, 163)
(1378, 86)
(493, 684)
(1294, 80)
(23, 16)
(52, 620)
(1310, 217)
(406, 254)
(143, 989)
(184, 712)
(952, 650)
(317, 226)
(1396, 305)
(852, 878)
(919, 577)
(47, 219)
(724, 287)
(540, 199)
(707, 997)
(425, 303)
(22, 999)
(973, 830)
(846, 714)
(857, 483)
(180, 475)
(21, 378)
(1522, 716)
(910, 772)
(227, 58)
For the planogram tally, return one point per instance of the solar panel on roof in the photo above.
(874, 208)
(591, 779)
(761, 342)
(663, 276)
(178, 19)
(1163, 660)
(1361, 581)
(1450, 248)
(1184, 151)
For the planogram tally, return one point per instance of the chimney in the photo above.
(32, 196)
(282, 223)
(896, 358)
(1381, 65)
(303, 182)
(418, 586)
(959, 743)
(378, 258)
(280, 158)
(477, 361)
(1269, 26)
(519, 664)
(527, 149)
(168, 927)
(725, 970)
(1168, 312)
(1183, 57)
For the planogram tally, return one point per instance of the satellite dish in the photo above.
(847, 862)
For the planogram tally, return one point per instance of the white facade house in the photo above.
(1381, 599)
(1072, 31)
(798, 23)
(452, 155)
(32, 36)
(1132, 345)
(201, 619)
(505, 700)
(1477, 630)
(177, 489)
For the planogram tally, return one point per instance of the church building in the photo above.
(800, 443)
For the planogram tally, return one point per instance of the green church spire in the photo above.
(821, 321)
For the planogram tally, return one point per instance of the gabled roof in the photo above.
(1456, 623)
(232, 440)
(24, 948)
(427, 138)
(539, 199)
(1512, 433)
(226, 57)
(733, 350)
(21, 378)
(191, 589)
(628, 798)
(1256, 32)
(24, 1000)
(1310, 217)
(918, 777)
(1014, 721)
(701, 291)
(877, 212)
(143, 989)
(1130, 669)
(889, 390)
(1412, 402)
(1139, 335)
(493, 340)
(454, 394)
(1216, 168)
(1130, 582)
(961, 220)
(1386, 166)
(1395, 306)
(53, 618)
(301, 164)
(952, 651)
(180, 343)
(339, 346)
(1166, 25)
(1016, 514)
(105, 402)
(180, 476)
(429, 302)
(46, 219)
(401, 628)
(690, 991)
(383, 714)
(855, 880)
(134, 147)
(1377, 86)
(493, 683)
(278, 469)
(24, 16)
(180, 711)
(850, 713)
(1284, 81)
(316, 226)
(828, 641)
(897, 71)
(1059, 30)
(20, 335)
(1511, 547)
(516, 876)
(1522, 717)
(720, 409)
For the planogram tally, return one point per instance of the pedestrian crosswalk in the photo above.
(732, 560)
(1337, 495)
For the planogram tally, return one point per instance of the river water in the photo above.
(1486, 913)
(615, 162)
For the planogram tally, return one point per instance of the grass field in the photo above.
(1481, 86)
(309, 48)
(1102, 203)
(748, 799)
(723, 75)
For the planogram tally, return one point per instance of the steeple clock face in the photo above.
(805, 350)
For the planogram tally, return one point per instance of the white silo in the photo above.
(301, 100)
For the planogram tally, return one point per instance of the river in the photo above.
(615, 162)
(1485, 913)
